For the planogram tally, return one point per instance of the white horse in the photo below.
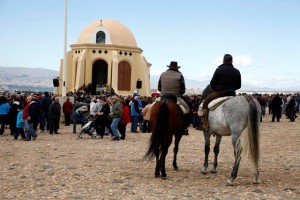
(231, 118)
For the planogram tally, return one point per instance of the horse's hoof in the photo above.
(256, 181)
(175, 168)
(164, 177)
(229, 182)
(157, 175)
(204, 170)
(213, 171)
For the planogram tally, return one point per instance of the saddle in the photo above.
(184, 111)
(213, 104)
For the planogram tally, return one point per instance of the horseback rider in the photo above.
(172, 82)
(224, 82)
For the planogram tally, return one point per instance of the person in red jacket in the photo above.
(125, 119)
(30, 116)
(67, 110)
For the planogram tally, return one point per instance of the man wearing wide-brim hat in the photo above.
(172, 82)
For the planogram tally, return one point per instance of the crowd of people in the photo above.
(23, 112)
(26, 115)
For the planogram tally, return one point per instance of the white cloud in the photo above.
(239, 61)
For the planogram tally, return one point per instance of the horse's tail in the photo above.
(251, 142)
(158, 137)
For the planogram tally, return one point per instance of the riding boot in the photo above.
(186, 124)
(204, 125)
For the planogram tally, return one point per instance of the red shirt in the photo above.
(67, 107)
(25, 111)
(125, 119)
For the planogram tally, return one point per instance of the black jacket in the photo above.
(12, 114)
(45, 103)
(33, 112)
(276, 102)
(54, 110)
(226, 77)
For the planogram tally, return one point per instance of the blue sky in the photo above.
(262, 35)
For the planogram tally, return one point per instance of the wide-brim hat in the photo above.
(173, 65)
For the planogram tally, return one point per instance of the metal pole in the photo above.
(64, 81)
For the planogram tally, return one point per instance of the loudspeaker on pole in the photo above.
(138, 84)
(55, 82)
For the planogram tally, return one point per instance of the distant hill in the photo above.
(21, 78)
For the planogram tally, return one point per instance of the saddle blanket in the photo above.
(213, 104)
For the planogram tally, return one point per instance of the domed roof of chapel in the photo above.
(119, 34)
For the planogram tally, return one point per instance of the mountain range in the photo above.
(21, 78)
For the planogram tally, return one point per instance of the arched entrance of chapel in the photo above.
(124, 76)
(99, 73)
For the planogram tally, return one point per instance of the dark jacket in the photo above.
(291, 103)
(33, 112)
(45, 104)
(105, 118)
(276, 102)
(226, 78)
(12, 114)
(54, 110)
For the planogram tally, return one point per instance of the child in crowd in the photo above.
(19, 124)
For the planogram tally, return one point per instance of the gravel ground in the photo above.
(63, 167)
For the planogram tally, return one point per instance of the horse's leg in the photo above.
(256, 175)
(206, 150)
(177, 140)
(216, 151)
(163, 162)
(157, 167)
(237, 158)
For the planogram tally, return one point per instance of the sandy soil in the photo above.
(63, 167)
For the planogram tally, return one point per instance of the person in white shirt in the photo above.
(92, 107)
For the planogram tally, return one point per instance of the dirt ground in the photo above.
(63, 167)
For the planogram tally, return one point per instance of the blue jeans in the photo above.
(114, 126)
(76, 119)
(196, 120)
(29, 129)
(45, 121)
(134, 123)
(19, 131)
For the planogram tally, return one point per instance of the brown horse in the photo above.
(166, 120)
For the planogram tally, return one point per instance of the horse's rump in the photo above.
(171, 116)
(233, 117)
(166, 120)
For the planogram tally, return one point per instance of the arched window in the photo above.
(100, 37)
